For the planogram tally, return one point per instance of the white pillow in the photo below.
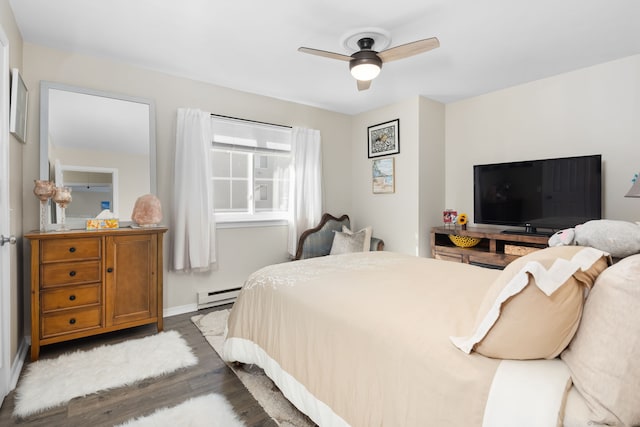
(604, 354)
(348, 241)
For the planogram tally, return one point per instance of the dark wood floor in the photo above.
(108, 408)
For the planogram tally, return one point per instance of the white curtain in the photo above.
(306, 191)
(193, 217)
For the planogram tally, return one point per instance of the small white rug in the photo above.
(211, 410)
(212, 326)
(51, 382)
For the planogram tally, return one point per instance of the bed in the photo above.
(382, 339)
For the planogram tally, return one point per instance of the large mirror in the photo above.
(101, 145)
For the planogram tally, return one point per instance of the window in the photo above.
(250, 170)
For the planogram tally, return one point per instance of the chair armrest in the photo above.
(376, 244)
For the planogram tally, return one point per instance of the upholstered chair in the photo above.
(317, 241)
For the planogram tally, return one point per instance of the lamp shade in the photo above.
(365, 72)
(365, 65)
(634, 191)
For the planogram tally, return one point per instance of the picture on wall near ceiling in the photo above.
(18, 113)
(383, 176)
(384, 139)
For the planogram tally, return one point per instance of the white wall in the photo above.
(394, 217)
(241, 251)
(595, 110)
(402, 219)
(431, 170)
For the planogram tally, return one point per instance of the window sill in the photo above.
(247, 223)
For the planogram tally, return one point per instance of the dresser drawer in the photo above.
(69, 273)
(68, 321)
(70, 249)
(69, 297)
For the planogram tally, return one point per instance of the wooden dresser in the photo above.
(85, 283)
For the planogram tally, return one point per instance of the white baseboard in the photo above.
(18, 362)
(174, 311)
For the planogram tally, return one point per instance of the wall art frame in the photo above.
(383, 178)
(384, 139)
(18, 107)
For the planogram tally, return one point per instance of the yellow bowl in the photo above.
(464, 241)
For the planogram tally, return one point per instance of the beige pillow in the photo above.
(604, 356)
(348, 241)
(533, 308)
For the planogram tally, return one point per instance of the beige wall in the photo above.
(241, 251)
(16, 149)
(393, 216)
(431, 170)
(402, 219)
(595, 110)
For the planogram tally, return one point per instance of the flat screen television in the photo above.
(550, 194)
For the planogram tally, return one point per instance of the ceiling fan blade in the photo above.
(324, 53)
(409, 49)
(364, 84)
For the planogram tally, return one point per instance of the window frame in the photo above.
(251, 218)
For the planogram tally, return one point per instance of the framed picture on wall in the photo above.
(384, 138)
(18, 109)
(383, 176)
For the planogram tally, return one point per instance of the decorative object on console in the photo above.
(147, 212)
(449, 217)
(464, 241)
(62, 197)
(383, 176)
(43, 190)
(619, 238)
(634, 191)
(104, 220)
(462, 220)
(384, 139)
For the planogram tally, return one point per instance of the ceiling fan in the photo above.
(365, 64)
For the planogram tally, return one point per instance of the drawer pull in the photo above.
(109, 270)
(72, 249)
(72, 297)
(72, 273)
(72, 321)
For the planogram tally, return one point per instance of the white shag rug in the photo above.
(210, 410)
(212, 326)
(52, 382)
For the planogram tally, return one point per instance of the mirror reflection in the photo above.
(101, 145)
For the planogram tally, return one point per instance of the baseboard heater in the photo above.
(208, 299)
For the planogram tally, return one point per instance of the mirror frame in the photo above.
(45, 86)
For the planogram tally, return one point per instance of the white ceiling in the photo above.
(251, 45)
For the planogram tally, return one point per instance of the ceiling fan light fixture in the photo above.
(365, 72)
(365, 65)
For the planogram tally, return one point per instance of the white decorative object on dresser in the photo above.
(85, 283)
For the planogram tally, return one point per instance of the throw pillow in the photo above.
(533, 308)
(603, 356)
(348, 241)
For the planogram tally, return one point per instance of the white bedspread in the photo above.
(362, 340)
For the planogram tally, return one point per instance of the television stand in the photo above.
(496, 249)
